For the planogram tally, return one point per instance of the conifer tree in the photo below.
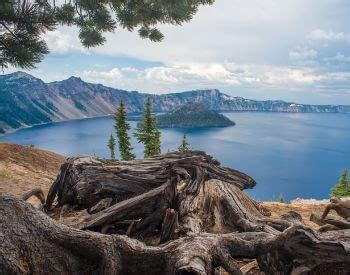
(148, 133)
(111, 146)
(121, 129)
(23, 23)
(184, 146)
(342, 188)
(281, 199)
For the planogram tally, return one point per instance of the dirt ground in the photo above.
(23, 167)
(304, 209)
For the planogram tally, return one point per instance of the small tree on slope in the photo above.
(148, 133)
(184, 146)
(121, 129)
(342, 188)
(111, 146)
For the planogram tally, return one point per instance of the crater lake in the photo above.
(293, 154)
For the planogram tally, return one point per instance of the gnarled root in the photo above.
(37, 192)
(84, 181)
(203, 223)
(32, 242)
(342, 208)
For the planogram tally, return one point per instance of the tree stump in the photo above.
(215, 222)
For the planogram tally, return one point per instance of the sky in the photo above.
(293, 50)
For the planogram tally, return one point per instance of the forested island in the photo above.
(193, 115)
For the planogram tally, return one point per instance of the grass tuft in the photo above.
(4, 174)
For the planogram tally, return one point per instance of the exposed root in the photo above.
(37, 192)
(51, 247)
(194, 227)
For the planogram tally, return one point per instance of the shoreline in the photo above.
(12, 131)
(9, 132)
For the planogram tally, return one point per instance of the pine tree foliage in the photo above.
(111, 146)
(22, 22)
(122, 127)
(148, 133)
(155, 145)
(184, 146)
(342, 188)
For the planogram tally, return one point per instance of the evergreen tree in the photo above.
(148, 133)
(155, 143)
(184, 146)
(111, 146)
(342, 188)
(281, 199)
(23, 23)
(121, 129)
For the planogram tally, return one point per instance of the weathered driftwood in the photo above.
(190, 209)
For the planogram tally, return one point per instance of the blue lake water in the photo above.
(297, 155)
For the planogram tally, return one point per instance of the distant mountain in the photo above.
(193, 115)
(26, 101)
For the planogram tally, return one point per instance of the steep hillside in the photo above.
(26, 101)
(22, 168)
(193, 115)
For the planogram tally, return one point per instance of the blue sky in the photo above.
(295, 50)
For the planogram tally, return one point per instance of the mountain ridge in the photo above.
(26, 101)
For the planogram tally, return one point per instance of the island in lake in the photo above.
(193, 115)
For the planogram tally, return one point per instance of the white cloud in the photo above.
(328, 35)
(129, 70)
(229, 30)
(187, 76)
(106, 76)
(338, 58)
(191, 72)
(302, 54)
(61, 42)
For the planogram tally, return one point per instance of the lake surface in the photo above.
(297, 155)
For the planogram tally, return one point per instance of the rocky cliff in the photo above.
(26, 101)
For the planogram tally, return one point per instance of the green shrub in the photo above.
(342, 188)
(281, 199)
(184, 146)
